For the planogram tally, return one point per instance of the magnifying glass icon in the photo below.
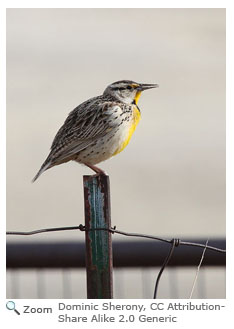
(11, 306)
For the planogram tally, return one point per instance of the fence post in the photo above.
(98, 242)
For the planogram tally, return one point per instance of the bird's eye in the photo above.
(129, 87)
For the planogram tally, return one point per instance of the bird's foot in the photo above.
(97, 170)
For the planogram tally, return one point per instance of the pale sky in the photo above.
(170, 180)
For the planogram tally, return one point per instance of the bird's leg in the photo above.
(96, 169)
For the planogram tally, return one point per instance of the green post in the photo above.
(98, 242)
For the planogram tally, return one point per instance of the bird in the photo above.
(99, 128)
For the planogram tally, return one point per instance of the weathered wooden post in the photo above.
(98, 242)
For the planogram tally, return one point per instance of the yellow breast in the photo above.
(135, 120)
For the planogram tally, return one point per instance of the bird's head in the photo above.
(127, 91)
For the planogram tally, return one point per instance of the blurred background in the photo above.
(169, 181)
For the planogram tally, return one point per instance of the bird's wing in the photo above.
(84, 125)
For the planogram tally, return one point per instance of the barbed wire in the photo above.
(115, 231)
(174, 243)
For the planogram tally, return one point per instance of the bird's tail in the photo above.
(46, 165)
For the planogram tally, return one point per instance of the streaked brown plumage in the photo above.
(98, 128)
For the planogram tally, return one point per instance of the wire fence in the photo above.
(174, 244)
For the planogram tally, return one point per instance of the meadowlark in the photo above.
(98, 128)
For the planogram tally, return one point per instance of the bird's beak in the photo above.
(144, 86)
